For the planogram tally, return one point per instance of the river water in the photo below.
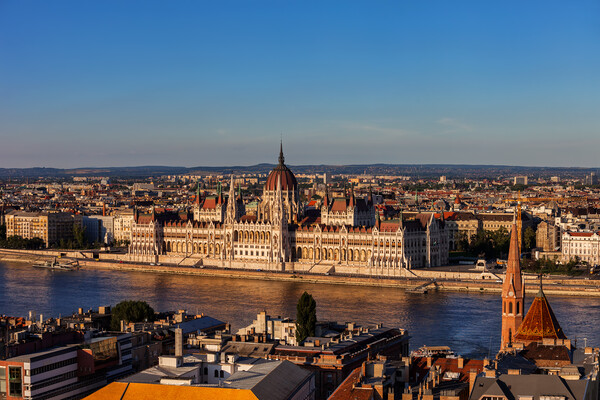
(468, 322)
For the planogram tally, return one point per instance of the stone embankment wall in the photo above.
(313, 273)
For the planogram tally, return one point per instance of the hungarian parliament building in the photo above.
(348, 237)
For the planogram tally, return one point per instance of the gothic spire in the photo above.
(281, 158)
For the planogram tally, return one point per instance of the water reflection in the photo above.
(469, 323)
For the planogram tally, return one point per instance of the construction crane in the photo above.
(521, 200)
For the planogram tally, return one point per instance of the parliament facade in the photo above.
(346, 238)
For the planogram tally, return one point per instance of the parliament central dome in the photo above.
(283, 173)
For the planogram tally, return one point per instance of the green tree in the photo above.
(529, 238)
(463, 242)
(79, 236)
(130, 311)
(306, 317)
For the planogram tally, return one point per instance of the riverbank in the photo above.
(434, 279)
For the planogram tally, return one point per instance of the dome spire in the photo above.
(281, 159)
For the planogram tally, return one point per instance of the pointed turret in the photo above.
(540, 322)
(281, 158)
(231, 203)
(352, 202)
(513, 293)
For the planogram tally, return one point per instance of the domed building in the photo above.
(281, 174)
(345, 237)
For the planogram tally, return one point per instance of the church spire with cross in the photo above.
(513, 293)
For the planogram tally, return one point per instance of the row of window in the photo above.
(50, 367)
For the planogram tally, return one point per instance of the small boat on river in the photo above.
(58, 266)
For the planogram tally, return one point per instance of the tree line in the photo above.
(493, 244)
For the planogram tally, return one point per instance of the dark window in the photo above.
(15, 385)
(2, 382)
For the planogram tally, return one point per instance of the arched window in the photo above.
(510, 308)
(518, 307)
(216, 373)
(205, 370)
(222, 374)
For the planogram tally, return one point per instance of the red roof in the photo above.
(210, 203)
(581, 234)
(339, 205)
(539, 322)
(347, 389)
(389, 226)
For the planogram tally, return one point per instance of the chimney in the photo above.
(472, 377)
(486, 362)
(461, 362)
(429, 362)
(567, 343)
(178, 342)
(490, 373)
(80, 311)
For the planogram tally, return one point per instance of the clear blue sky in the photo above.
(122, 83)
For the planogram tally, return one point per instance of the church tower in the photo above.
(513, 293)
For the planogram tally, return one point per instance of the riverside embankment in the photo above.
(445, 280)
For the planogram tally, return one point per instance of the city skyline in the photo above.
(187, 84)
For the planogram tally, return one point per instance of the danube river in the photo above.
(469, 323)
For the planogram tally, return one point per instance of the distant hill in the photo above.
(421, 171)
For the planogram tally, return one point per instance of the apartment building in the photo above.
(48, 226)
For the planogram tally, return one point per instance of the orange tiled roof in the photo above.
(146, 391)
(540, 322)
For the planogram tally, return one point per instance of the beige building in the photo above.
(51, 227)
(122, 225)
(548, 236)
(585, 245)
(281, 329)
